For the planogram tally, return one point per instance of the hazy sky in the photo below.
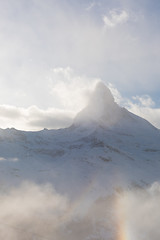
(53, 51)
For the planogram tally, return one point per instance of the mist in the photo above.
(141, 212)
(33, 211)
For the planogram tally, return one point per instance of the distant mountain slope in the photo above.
(106, 151)
(103, 111)
(105, 141)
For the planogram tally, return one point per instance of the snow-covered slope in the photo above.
(107, 148)
(105, 140)
(104, 112)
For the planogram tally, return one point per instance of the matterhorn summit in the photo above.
(103, 111)
(106, 152)
(101, 108)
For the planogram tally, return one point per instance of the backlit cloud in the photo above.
(143, 106)
(71, 93)
(115, 17)
(34, 118)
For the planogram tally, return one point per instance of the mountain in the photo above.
(102, 111)
(102, 136)
(107, 148)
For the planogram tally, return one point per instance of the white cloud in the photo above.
(115, 17)
(139, 213)
(9, 159)
(90, 6)
(150, 114)
(142, 106)
(38, 36)
(116, 94)
(69, 90)
(71, 93)
(32, 211)
(34, 118)
(144, 101)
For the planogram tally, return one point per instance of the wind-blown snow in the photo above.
(101, 108)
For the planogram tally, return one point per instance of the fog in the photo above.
(141, 212)
(33, 211)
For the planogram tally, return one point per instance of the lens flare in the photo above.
(122, 233)
(121, 216)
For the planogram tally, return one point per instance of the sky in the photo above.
(53, 52)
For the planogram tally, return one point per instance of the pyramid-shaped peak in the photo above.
(102, 88)
(103, 111)
(101, 108)
(101, 95)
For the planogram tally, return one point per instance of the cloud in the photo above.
(71, 93)
(9, 159)
(31, 211)
(115, 18)
(151, 114)
(34, 118)
(70, 90)
(51, 118)
(144, 101)
(90, 6)
(143, 105)
(139, 213)
(39, 36)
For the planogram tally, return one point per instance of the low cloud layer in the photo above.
(140, 211)
(33, 211)
(33, 118)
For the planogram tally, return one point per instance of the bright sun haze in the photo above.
(53, 52)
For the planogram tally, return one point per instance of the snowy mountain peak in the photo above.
(103, 111)
(101, 108)
(101, 95)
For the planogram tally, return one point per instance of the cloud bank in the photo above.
(33, 118)
(32, 211)
(140, 211)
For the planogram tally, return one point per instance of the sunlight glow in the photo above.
(122, 225)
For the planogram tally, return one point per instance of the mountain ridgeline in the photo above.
(106, 151)
(104, 138)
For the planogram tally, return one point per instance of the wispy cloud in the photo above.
(144, 101)
(150, 113)
(115, 18)
(90, 6)
(143, 106)
(70, 90)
